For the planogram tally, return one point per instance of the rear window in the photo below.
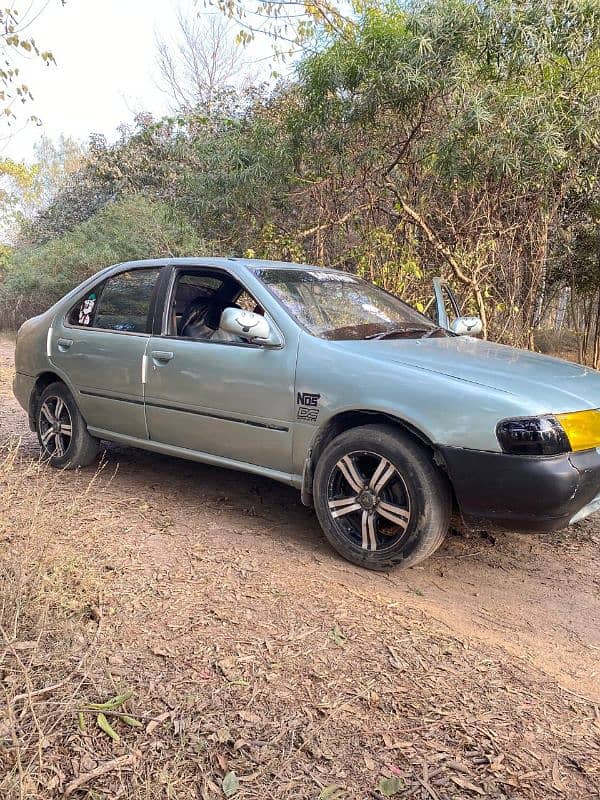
(121, 303)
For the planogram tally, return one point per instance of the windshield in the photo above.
(336, 305)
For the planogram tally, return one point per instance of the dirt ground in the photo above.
(264, 654)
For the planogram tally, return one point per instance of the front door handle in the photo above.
(64, 344)
(161, 356)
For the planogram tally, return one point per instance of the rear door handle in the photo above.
(161, 356)
(64, 344)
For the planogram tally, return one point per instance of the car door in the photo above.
(99, 347)
(446, 304)
(233, 400)
(448, 312)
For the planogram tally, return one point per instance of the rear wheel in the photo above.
(61, 430)
(380, 499)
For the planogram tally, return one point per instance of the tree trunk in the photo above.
(575, 323)
(587, 325)
(563, 299)
(596, 356)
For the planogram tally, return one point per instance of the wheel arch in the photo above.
(345, 420)
(43, 380)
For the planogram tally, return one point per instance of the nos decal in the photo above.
(307, 403)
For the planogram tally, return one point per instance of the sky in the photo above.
(106, 68)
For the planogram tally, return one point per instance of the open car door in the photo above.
(447, 311)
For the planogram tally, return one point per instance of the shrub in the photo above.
(133, 228)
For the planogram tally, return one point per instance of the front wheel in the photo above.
(61, 430)
(380, 499)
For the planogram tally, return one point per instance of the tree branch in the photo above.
(332, 223)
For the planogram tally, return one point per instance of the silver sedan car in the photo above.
(386, 421)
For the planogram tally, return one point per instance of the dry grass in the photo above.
(48, 591)
(292, 682)
(6, 375)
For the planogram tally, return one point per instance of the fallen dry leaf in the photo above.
(556, 778)
(464, 784)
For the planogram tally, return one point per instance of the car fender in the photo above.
(33, 353)
(443, 409)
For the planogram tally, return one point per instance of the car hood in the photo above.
(556, 385)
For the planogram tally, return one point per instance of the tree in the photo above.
(202, 64)
(56, 162)
(17, 45)
(132, 228)
(229, 174)
(293, 26)
(19, 191)
(461, 124)
(574, 267)
(441, 136)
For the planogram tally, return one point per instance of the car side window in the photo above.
(190, 290)
(248, 303)
(124, 302)
(197, 301)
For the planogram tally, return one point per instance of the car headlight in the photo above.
(551, 434)
(532, 436)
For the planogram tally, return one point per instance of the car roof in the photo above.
(227, 263)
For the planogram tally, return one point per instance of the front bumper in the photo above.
(523, 493)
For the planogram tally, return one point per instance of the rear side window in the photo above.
(122, 303)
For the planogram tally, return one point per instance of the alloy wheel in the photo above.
(368, 500)
(55, 426)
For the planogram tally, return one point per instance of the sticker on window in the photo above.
(87, 309)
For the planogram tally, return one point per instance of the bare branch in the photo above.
(332, 223)
(200, 63)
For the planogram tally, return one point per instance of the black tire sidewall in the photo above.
(428, 494)
(81, 443)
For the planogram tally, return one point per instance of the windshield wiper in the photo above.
(432, 332)
(395, 332)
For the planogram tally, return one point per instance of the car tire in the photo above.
(380, 498)
(61, 430)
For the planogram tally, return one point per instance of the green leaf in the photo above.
(337, 635)
(134, 723)
(230, 784)
(388, 787)
(105, 725)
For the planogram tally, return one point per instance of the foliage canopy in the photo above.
(443, 136)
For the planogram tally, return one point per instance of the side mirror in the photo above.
(249, 325)
(466, 326)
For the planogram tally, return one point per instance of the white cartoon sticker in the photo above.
(87, 309)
